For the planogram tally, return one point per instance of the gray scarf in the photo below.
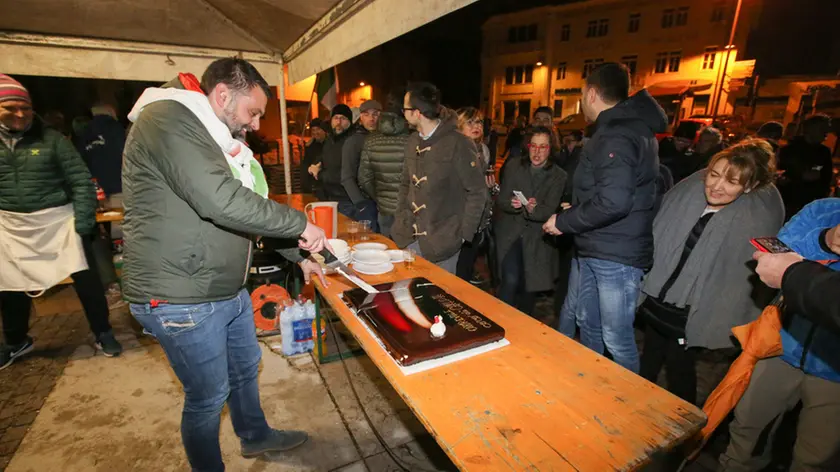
(717, 281)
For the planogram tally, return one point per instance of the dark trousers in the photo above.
(15, 307)
(680, 372)
(512, 286)
(483, 243)
(362, 211)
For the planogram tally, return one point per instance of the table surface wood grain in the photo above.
(544, 402)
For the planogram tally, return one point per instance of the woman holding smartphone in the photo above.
(702, 283)
(529, 258)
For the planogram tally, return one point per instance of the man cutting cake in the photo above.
(194, 195)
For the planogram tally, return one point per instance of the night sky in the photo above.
(793, 37)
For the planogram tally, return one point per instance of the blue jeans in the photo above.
(567, 318)
(602, 299)
(213, 349)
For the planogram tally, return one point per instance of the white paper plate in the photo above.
(396, 255)
(373, 269)
(370, 246)
(371, 257)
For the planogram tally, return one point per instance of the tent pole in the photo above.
(284, 126)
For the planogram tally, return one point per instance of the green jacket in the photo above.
(381, 167)
(188, 221)
(42, 170)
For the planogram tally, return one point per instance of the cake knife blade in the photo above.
(333, 263)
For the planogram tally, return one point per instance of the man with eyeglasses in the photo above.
(442, 195)
(364, 208)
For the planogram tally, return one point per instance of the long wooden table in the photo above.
(543, 403)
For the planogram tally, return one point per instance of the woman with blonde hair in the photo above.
(471, 125)
(702, 284)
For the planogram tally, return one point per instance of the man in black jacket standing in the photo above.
(612, 214)
(330, 174)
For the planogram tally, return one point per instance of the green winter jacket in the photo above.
(188, 221)
(383, 155)
(42, 170)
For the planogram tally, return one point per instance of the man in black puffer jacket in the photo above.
(612, 213)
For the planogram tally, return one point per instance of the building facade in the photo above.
(677, 49)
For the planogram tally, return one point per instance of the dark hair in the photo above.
(754, 160)
(425, 97)
(394, 101)
(530, 132)
(611, 80)
(548, 110)
(820, 119)
(771, 130)
(236, 73)
(577, 134)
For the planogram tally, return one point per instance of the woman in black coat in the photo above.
(529, 257)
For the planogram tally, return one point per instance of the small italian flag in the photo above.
(327, 88)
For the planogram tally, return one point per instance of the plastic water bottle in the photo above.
(296, 329)
(287, 329)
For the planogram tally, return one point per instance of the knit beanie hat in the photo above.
(344, 110)
(11, 89)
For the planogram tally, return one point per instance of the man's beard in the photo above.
(236, 128)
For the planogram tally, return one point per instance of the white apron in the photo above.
(38, 250)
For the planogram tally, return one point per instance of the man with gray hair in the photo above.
(194, 195)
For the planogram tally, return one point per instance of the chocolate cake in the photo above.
(403, 313)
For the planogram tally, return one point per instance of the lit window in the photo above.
(709, 58)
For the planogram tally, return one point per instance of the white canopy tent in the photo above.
(153, 40)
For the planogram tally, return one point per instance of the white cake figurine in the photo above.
(438, 329)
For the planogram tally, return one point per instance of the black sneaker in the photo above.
(108, 344)
(277, 441)
(477, 279)
(8, 354)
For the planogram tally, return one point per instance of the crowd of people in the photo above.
(628, 231)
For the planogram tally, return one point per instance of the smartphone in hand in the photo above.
(521, 197)
(772, 245)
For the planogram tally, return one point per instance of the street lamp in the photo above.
(361, 84)
(729, 47)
